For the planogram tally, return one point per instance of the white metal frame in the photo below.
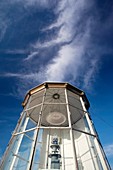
(20, 140)
(19, 143)
(16, 128)
(47, 148)
(98, 147)
(71, 133)
(33, 149)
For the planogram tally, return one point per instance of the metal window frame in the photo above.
(33, 150)
(20, 140)
(100, 151)
(19, 143)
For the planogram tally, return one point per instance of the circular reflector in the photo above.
(56, 118)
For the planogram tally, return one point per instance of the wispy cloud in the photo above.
(91, 72)
(43, 3)
(31, 56)
(36, 3)
(64, 64)
(3, 121)
(3, 28)
(74, 40)
(69, 53)
(22, 76)
(15, 51)
(10, 75)
(109, 149)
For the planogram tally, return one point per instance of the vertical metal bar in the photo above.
(47, 148)
(71, 134)
(103, 161)
(49, 160)
(74, 150)
(61, 148)
(68, 111)
(63, 162)
(36, 136)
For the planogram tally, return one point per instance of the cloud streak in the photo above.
(31, 56)
(74, 40)
(109, 150)
(67, 51)
(3, 28)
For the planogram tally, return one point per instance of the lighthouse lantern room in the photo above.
(55, 131)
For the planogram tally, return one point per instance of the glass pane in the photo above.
(23, 154)
(21, 126)
(87, 155)
(30, 124)
(37, 156)
(20, 164)
(12, 149)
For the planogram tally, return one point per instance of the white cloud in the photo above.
(23, 76)
(38, 3)
(16, 51)
(69, 14)
(10, 75)
(73, 44)
(66, 63)
(1, 153)
(76, 59)
(31, 56)
(109, 149)
(91, 71)
(42, 3)
(3, 27)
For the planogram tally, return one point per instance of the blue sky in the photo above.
(60, 40)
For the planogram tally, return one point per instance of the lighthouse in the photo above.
(55, 132)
